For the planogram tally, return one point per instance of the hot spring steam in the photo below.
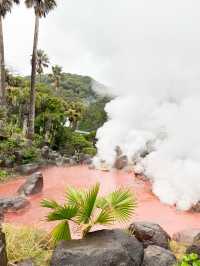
(155, 72)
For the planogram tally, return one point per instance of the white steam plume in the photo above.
(155, 70)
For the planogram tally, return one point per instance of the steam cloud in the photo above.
(155, 70)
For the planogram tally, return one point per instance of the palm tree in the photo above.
(75, 113)
(56, 76)
(5, 7)
(41, 8)
(86, 209)
(42, 62)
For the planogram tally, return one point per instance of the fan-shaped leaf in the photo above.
(89, 201)
(51, 204)
(62, 213)
(122, 203)
(61, 232)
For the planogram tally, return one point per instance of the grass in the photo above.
(24, 243)
(178, 249)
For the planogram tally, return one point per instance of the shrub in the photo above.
(30, 154)
(190, 260)
(90, 151)
(25, 243)
(3, 175)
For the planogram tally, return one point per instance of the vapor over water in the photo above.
(155, 69)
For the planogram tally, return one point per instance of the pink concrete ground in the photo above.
(56, 179)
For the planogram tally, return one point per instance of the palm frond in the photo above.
(61, 232)
(51, 204)
(105, 218)
(74, 196)
(122, 203)
(62, 213)
(42, 7)
(89, 199)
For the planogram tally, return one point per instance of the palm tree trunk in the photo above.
(31, 125)
(2, 66)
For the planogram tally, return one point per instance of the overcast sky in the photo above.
(113, 41)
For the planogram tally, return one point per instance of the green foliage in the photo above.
(86, 209)
(190, 260)
(3, 175)
(90, 151)
(24, 243)
(30, 154)
(79, 142)
(75, 103)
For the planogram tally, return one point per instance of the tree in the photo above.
(56, 76)
(41, 8)
(5, 7)
(42, 62)
(75, 113)
(87, 208)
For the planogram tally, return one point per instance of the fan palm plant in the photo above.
(42, 62)
(41, 8)
(5, 7)
(86, 209)
(56, 76)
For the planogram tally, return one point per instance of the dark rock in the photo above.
(3, 254)
(8, 163)
(196, 207)
(45, 152)
(150, 234)
(85, 159)
(195, 247)
(27, 169)
(26, 263)
(186, 236)
(121, 162)
(101, 248)
(53, 155)
(13, 203)
(33, 185)
(158, 256)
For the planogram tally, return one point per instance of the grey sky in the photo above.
(119, 42)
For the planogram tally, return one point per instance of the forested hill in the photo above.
(76, 90)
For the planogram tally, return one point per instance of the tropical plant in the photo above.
(75, 113)
(41, 8)
(190, 260)
(56, 76)
(87, 209)
(5, 7)
(42, 62)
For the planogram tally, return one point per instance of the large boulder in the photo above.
(33, 185)
(121, 162)
(13, 203)
(105, 247)
(158, 256)
(150, 234)
(186, 236)
(3, 254)
(196, 207)
(28, 169)
(195, 246)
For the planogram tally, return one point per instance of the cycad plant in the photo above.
(87, 209)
